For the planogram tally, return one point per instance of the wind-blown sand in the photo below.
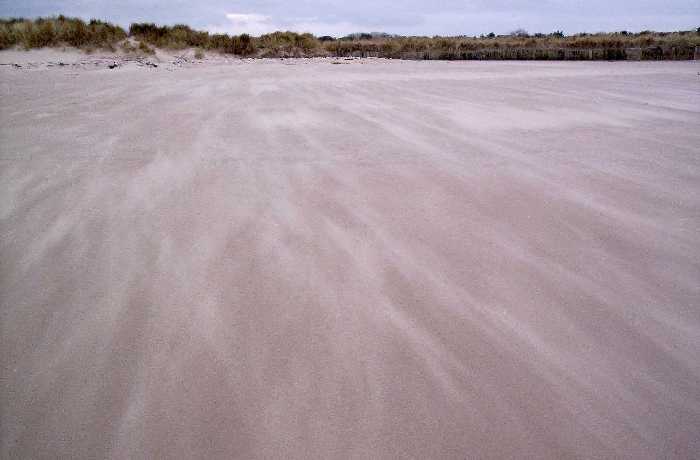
(295, 259)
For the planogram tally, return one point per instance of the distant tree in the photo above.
(326, 38)
(519, 33)
(491, 35)
(558, 33)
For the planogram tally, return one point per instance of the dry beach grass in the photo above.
(384, 259)
(646, 45)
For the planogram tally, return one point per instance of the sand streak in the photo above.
(374, 260)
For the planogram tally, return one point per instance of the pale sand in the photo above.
(295, 259)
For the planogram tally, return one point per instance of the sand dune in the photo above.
(294, 259)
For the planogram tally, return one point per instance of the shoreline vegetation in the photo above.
(519, 45)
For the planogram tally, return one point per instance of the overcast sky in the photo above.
(408, 17)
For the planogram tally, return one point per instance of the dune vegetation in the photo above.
(63, 31)
(57, 31)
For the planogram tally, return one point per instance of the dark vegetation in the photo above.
(521, 45)
(62, 31)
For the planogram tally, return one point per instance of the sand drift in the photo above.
(295, 259)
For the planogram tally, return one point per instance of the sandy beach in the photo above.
(323, 258)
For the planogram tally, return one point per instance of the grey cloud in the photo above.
(408, 17)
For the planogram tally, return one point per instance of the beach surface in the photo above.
(323, 258)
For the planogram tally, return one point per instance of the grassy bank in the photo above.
(522, 46)
(62, 31)
(59, 31)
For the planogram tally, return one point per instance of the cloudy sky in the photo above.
(408, 17)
